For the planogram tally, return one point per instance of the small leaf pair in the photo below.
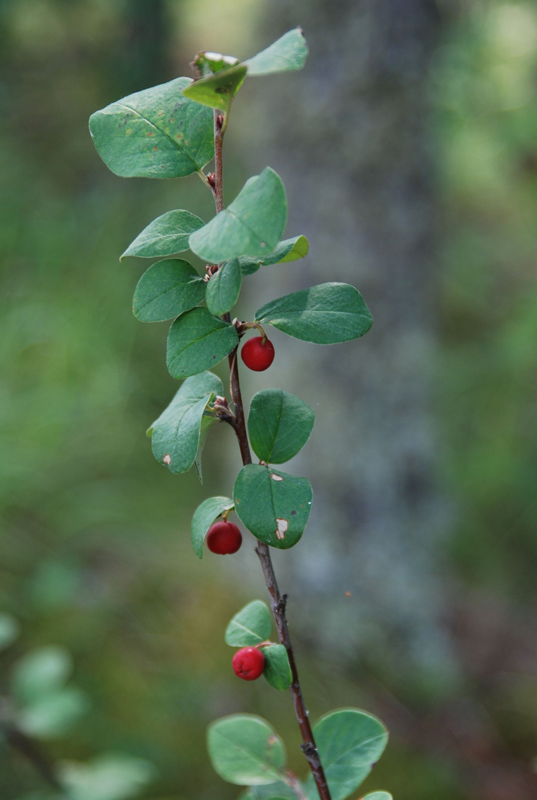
(46, 706)
(169, 235)
(289, 52)
(247, 751)
(275, 506)
(172, 287)
(250, 628)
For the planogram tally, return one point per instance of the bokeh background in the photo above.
(409, 149)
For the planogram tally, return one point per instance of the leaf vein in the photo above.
(156, 127)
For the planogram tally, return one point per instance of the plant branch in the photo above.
(218, 191)
(33, 753)
(278, 601)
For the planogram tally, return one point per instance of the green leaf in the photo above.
(286, 251)
(246, 750)
(166, 290)
(156, 133)
(198, 341)
(165, 236)
(277, 668)
(251, 225)
(224, 288)
(53, 714)
(378, 796)
(40, 673)
(203, 518)
(325, 314)
(350, 742)
(279, 425)
(271, 791)
(9, 630)
(251, 626)
(218, 90)
(107, 777)
(274, 506)
(287, 53)
(250, 796)
(175, 435)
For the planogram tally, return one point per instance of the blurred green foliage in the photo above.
(487, 125)
(91, 558)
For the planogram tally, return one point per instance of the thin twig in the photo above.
(218, 191)
(278, 601)
(34, 754)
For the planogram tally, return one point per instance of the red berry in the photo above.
(224, 538)
(258, 355)
(248, 663)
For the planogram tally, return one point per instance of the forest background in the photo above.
(409, 149)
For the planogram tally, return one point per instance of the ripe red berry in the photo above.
(224, 538)
(258, 355)
(248, 663)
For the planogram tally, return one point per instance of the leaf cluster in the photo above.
(43, 704)
(247, 751)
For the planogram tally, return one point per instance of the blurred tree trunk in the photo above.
(351, 138)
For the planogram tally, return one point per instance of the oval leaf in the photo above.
(165, 236)
(41, 672)
(224, 288)
(325, 314)
(273, 791)
(279, 425)
(9, 630)
(251, 626)
(277, 670)
(274, 506)
(156, 133)
(175, 435)
(106, 777)
(203, 518)
(218, 90)
(166, 290)
(246, 750)
(287, 53)
(197, 341)
(378, 796)
(251, 226)
(288, 250)
(350, 742)
(54, 714)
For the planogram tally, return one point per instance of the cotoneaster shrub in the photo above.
(172, 131)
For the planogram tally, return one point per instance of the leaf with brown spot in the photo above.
(265, 505)
(161, 115)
